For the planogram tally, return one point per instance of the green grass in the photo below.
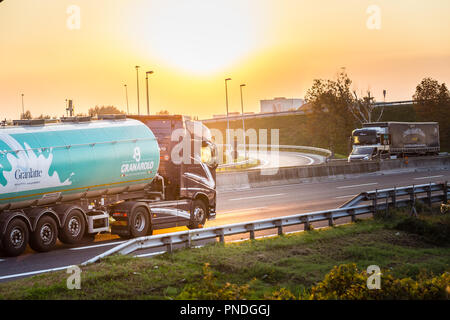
(295, 262)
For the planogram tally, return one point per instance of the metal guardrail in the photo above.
(350, 209)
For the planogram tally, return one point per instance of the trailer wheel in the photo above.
(139, 222)
(43, 239)
(198, 215)
(73, 230)
(15, 239)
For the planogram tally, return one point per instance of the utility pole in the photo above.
(23, 108)
(228, 121)
(146, 81)
(137, 82)
(126, 97)
(243, 121)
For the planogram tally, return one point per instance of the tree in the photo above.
(104, 110)
(432, 103)
(26, 116)
(364, 109)
(42, 116)
(331, 122)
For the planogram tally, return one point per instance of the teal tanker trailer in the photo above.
(75, 178)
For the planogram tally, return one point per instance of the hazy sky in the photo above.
(276, 47)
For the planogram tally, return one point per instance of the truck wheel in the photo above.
(139, 222)
(43, 239)
(15, 240)
(198, 215)
(73, 230)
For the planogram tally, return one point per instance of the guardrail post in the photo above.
(429, 198)
(168, 242)
(413, 202)
(374, 202)
(394, 197)
(251, 228)
(445, 192)
(351, 212)
(330, 219)
(387, 203)
(221, 236)
(188, 238)
(279, 227)
(307, 224)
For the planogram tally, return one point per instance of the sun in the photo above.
(200, 36)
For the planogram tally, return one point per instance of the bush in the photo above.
(208, 289)
(347, 283)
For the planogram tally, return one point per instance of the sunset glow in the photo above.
(276, 47)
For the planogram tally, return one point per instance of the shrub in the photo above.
(347, 283)
(208, 289)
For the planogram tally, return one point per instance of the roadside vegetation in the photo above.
(413, 254)
(336, 109)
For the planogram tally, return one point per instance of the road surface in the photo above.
(233, 207)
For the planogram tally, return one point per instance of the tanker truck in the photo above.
(78, 177)
(382, 140)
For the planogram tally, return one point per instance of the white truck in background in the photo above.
(384, 140)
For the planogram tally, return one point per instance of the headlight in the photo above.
(206, 155)
(366, 158)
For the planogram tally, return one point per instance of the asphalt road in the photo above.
(285, 159)
(233, 207)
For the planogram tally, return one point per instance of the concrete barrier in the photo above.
(290, 175)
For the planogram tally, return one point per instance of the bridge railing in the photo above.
(392, 197)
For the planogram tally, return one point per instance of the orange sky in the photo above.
(276, 47)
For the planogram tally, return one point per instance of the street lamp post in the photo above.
(137, 81)
(146, 81)
(23, 108)
(243, 121)
(126, 97)
(226, 102)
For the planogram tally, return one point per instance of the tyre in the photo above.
(43, 239)
(139, 222)
(74, 227)
(15, 239)
(198, 215)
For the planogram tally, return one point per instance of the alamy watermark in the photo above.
(374, 279)
(374, 20)
(73, 21)
(74, 280)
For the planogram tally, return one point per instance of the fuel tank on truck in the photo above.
(44, 164)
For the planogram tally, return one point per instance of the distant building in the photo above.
(281, 104)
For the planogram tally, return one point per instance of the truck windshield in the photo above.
(361, 151)
(364, 136)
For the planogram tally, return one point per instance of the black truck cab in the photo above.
(188, 171)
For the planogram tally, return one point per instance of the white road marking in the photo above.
(2, 260)
(98, 245)
(158, 253)
(430, 177)
(32, 273)
(311, 160)
(349, 196)
(358, 185)
(242, 210)
(149, 254)
(256, 197)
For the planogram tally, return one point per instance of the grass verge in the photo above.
(255, 270)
